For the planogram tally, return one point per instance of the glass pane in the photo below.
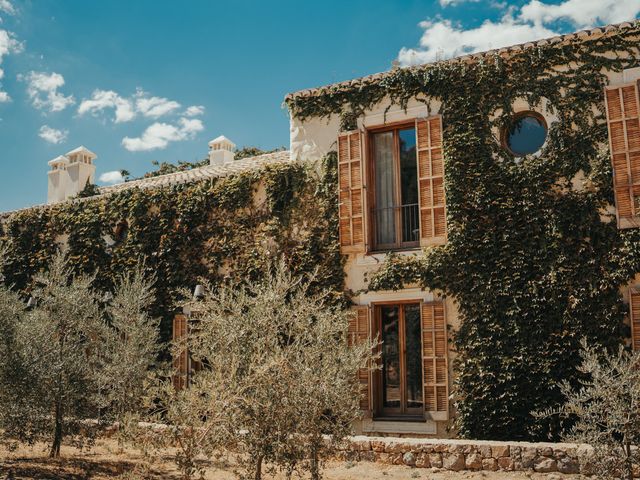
(385, 189)
(413, 358)
(390, 337)
(526, 135)
(409, 184)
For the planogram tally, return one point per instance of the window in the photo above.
(525, 134)
(623, 119)
(395, 213)
(400, 391)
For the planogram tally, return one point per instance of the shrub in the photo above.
(63, 369)
(278, 384)
(605, 410)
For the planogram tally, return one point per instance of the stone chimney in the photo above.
(221, 151)
(70, 173)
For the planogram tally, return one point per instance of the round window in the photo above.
(525, 134)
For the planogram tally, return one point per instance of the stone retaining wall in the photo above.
(459, 455)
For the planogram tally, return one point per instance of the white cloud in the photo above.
(107, 99)
(53, 135)
(8, 44)
(535, 20)
(127, 108)
(194, 111)
(42, 89)
(111, 177)
(155, 107)
(443, 39)
(158, 135)
(449, 3)
(581, 13)
(7, 7)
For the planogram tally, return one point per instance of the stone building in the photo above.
(394, 160)
(393, 198)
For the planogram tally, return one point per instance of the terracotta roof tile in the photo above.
(177, 178)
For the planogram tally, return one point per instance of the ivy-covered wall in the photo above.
(227, 230)
(533, 262)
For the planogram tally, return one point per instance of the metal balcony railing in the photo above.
(396, 227)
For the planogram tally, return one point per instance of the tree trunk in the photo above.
(258, 475)
(57, 435)
(315, 465)
(628, 459)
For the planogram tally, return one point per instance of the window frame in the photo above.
(415, 414)
(504, 131)
(398, 245)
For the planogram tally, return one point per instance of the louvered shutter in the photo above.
(435, 360)
(360, 331)
(634, 315)
(431, 199)
(624, 142)
(180, 361)
(351, 192)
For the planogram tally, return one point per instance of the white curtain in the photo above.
(385, 188)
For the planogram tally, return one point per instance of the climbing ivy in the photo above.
(223, 229)
(533, 262)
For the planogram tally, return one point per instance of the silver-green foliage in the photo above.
(279, 384)
(63, 375)
(131, 345)
(606, 410)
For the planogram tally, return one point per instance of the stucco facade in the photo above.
(312, 138)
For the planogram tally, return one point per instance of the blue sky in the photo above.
(143, 80)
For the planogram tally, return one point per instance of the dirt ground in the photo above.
(108, 461)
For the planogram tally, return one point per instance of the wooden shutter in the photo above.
(180, 361)
(435, 360)
(360, 331)
(351, 192)
(623, 120)
(431, 198)
(634, 316)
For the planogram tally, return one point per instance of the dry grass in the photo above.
(107, 460)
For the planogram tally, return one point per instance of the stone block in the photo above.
(545, 465)
(528, 456)
(456, 448)
(453, 461)
(435, 460)
(397, 447)
(546, 451)
(567, 464)
(500, 451)
(473, 461)
(409, 459)
(360, 445)
(505, 463)
(383, 458)
(377, 446)
(369, 456)
(485, 451)
(422, 460)
(490, 464)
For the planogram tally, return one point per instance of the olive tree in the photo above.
(278, 384)
(64, 368)
(605, 409)
(132, 345)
